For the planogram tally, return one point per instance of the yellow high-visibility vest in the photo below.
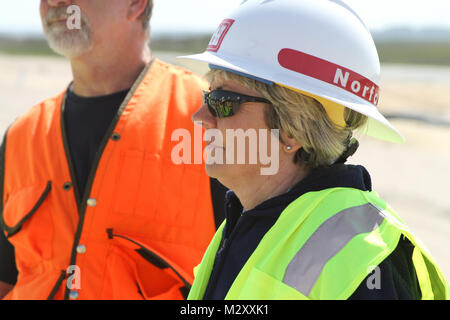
(323, 246)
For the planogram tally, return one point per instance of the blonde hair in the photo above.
(304, 119)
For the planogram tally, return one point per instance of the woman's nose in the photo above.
(204, 118)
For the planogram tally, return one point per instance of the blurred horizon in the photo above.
(399, 32)
(199, 16)
(402, 44)
(404, 31)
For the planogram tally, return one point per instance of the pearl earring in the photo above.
(288, 148)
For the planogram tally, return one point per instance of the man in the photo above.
(91, 202)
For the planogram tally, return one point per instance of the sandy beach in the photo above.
(414, 177)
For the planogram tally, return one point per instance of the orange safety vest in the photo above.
(143, 222)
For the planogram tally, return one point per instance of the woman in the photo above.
(314, 229)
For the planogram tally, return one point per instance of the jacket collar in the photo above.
(334, 176)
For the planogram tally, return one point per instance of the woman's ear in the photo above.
(289, 144)
(136, 8)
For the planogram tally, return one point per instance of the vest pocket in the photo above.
(173, 201)
(24, 231)
(129, 276)
(152, 190)
(127, 182)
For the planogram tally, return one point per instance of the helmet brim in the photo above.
(377, 125)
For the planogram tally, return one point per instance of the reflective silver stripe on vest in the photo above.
(332, 235)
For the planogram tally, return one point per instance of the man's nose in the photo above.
(206, 119)
(59, 3)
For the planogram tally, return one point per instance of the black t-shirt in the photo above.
(87, 121)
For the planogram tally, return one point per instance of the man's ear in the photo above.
(136, 8)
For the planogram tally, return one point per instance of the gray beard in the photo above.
(69, 43)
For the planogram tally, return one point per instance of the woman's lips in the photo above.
(211, 144)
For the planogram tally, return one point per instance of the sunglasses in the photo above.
(223, 104)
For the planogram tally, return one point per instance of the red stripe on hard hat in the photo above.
(329, 72)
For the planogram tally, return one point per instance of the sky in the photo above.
(205, 15)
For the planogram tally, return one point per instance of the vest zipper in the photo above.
(73, 176)
(220, 255)
(2, 170)
(81, 202)
(160, 262)
(57, 285)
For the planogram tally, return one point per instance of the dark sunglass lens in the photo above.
(212, 110)
(226, 108)
(208, 102)
(222, 102)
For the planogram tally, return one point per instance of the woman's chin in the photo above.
(224, 173)
(214, 170)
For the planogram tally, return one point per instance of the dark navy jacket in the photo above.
(243, 232)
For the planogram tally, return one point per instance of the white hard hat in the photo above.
(320, 48)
